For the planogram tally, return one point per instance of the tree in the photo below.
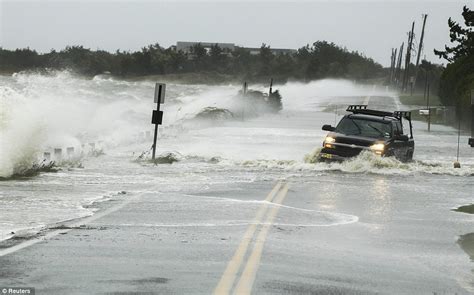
(318, 61)
(457, 79)
(265, 60)
(464, 37)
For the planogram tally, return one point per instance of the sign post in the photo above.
(471, 140)
(157, 115)
(428, 106)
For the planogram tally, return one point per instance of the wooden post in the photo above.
(58, 153)
(394, 65)
(457, 164)
(420, 47)
(428, 106)
(70, 151)
(399, 64)
(407, 58)
(426, 84)
(471, 140)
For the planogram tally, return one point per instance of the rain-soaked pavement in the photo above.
(326, 237)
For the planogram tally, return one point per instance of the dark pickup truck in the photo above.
(372, 130)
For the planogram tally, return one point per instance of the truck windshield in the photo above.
(366, 128)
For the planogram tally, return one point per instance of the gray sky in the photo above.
(370, 27)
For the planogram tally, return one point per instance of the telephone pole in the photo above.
(399, 65)
(420, 47)
(408, 57)
(392, 64)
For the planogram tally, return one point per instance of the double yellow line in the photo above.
(247, 277)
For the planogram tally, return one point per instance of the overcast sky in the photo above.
(370, 27)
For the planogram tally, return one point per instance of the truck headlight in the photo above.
(329, 141)
(378, 148)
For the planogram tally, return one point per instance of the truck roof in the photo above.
(362, 109)
(373, 118)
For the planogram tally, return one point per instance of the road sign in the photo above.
(424, 112)
(157, 117)
(160, 90)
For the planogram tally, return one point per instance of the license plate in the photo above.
(327, 156)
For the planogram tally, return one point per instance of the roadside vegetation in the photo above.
(457, 80)
(319, 60)
(420, 100)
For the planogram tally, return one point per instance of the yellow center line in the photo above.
(247, 278)
(228, 278)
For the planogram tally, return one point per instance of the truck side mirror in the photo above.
(328, 128)
(402, 137)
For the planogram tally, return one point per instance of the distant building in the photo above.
(185, 47)
(276, 51)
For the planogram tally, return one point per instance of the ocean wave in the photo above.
(171, 157)
(214, 113)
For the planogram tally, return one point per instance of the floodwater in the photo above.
(107, 122)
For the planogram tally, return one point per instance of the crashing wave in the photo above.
(214, 113)
(167, 158)
(30, 171)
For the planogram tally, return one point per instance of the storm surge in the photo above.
(41, 113)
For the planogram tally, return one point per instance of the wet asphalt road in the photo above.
(330, 236)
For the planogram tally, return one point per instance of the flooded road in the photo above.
(243, 208)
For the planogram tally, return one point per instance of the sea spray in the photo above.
(57, 110)
(21, 133)
(366, 162)
(312, 157)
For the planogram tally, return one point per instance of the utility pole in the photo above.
(420, 47)
(399, 64)
(408, 57)
(392, 66)
(471, 140)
